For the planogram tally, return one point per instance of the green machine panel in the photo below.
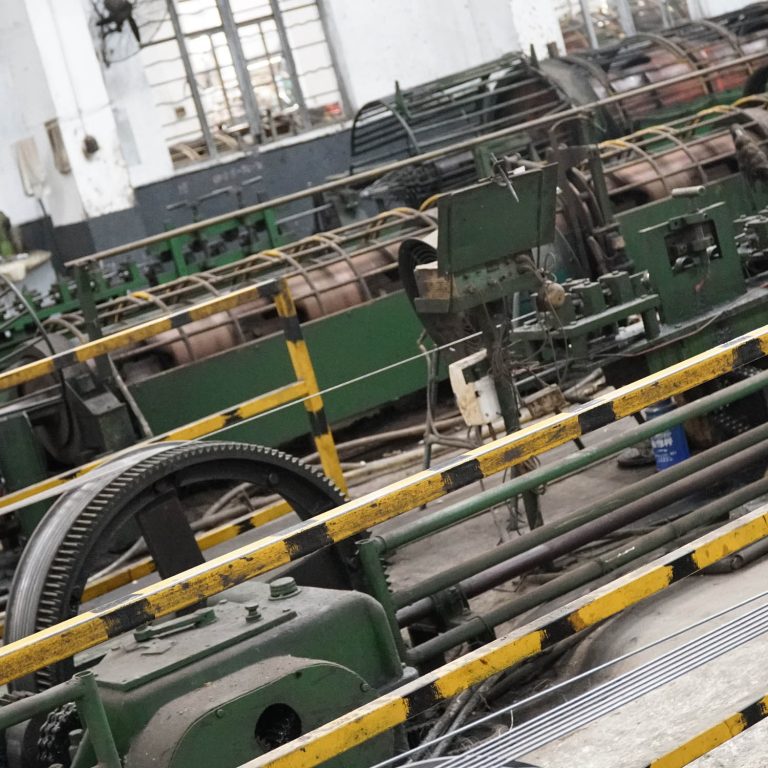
(343, 346)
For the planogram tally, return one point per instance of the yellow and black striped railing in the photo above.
(188, 588)
(305, 387)
(704, 742)
(91, 350)
(396, 708)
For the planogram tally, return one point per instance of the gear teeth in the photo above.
(58, 584)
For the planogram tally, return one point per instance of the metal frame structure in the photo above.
(374, 173)
(94, 627)
(305, 388)
(524, 643)
(230, 27)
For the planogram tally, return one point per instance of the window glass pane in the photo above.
(279, 92)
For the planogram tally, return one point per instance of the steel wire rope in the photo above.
(576, 678)
(622, 690)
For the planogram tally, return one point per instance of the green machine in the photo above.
(250, 672)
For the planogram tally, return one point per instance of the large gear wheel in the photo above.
(144, 492)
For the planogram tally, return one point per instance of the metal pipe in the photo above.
(91, 710)
(83, 691)
(588, 572)
(589, 25)
(626, 20)
(240, 65)
(330, 36)
(480, 502)
(375, 173)
(645, 497)
(194, 91)
(290, 63)
(739, 559)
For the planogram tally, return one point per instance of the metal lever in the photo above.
(197, 619)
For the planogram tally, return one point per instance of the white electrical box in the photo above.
(474, 389)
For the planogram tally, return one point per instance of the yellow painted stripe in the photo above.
(316, 747)
(703, 743)
(132, 335)
(619, 597)
(146, 566)
(711, 738)
(205, 540)
(304, 370)
(176, 593)
(360, 514)
(196, 429)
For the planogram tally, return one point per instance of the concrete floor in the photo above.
(660, 721)
(664, 719)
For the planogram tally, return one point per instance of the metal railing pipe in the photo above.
(375, 173)
(456, 513)
(606, 516)
(588, 572)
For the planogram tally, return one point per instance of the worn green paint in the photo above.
(22, 464)
(342, 346)
(691, 292)
(229, 662)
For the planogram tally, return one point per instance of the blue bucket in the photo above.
(671, 446)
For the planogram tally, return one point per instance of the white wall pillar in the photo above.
(536, 24)
(716, 7)
(138, 122)
(82, 108)
(28, 105)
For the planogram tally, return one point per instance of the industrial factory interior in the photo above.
(384, 384)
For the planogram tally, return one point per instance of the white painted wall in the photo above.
(49, 70)
(379, 42)
(702, 8)
(82, 107)
(139, 127)
(27, 106)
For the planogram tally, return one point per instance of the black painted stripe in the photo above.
(754, 713)
(747, 353)
(318, 422)
(292, 328)
(270, 290)
(596, 417)
(422, 699)
(181, 319)
(558, 630)
(464, 474)
(683, 566)
(64, 360)
(126, 617)
(308, 541)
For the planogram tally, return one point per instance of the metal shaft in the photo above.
(480, 502)
(589, 25)
(83, 691)
(588, 572)
(645, 497)
(240, 65)
(194, 90)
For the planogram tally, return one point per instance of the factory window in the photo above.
(612, 20)
(228, 73)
